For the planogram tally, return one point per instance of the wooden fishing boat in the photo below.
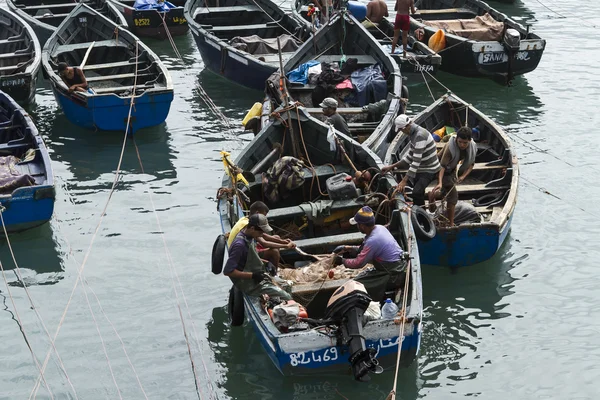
(491, 187)
(26, 181)
(237, 39)
(118, 67)
(151, 22)
(20, 58)
(344, 38)
(428, 61)
(310, 348)
(479, 40)
(44, 17)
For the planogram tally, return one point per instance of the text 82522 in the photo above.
(141, 21)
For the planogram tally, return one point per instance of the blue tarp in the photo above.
(153, 5)
(370, 85)
(300, 74)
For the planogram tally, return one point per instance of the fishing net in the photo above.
(319, 271)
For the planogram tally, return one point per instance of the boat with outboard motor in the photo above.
(26, 181)
(352, 68)
(477, 40)
(20, 55)
(151, 18)
(239, 39)
(118, 67)
(44, 17)
(487, 197)
(334, 306)
(420, 60)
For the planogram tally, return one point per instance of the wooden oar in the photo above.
(87, 53)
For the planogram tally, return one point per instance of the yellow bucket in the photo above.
(255, 111)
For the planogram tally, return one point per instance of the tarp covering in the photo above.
(370, 85)
(10, 178)
(300, 74)
(479, 28)
(153, 5)
(256, 45)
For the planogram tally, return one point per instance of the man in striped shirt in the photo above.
(421, 159)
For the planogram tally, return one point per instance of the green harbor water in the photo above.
(524, 325)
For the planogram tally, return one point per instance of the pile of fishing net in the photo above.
(319, 271)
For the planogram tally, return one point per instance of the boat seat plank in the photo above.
(117, 64)
(296, 211)
(84, 46)
(216, 10)
(234, 28)
(443, 11)
(334, 240)
(121, 89)
(341, 110)
(10, 40)
(11, 55)
(48, 16)
(48, 6)
(114, 77)
(465, 188)
(322, 171)
(476, 167)
(13, 146)
(361, 59)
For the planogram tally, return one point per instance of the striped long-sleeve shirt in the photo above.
(422, 154)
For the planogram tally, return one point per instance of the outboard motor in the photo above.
(512, 43)
(347, 306)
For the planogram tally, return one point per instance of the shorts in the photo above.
(449, 188)
(402, 22)
(260, 248)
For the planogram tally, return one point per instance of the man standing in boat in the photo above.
(460, 148)
(73, 77)
(379, 248)
(244, 266)
(421, 159)
(402, 22)
(329, 106)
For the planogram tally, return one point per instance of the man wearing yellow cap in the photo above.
(379, 248)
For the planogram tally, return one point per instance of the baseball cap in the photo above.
(260, 221)
(401, 121)
(363, 216)
(329, 103)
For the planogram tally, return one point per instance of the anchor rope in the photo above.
(98, 225)
(19, 276)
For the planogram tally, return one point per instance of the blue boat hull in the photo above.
(110, 112)
(28, 207)
(462, 247)
(243, 71)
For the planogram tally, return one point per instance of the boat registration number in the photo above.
(13, 82)
(309, 357)
(500, 57)
(142, 21)
(179, 20)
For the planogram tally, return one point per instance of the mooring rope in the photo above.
(98, 225)
(19, 276)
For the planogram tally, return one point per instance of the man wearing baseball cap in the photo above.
(421, 159)
(329, 106)
(379, 248)
(245, 268)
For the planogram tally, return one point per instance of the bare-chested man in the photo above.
(376, 11)
(402, 22)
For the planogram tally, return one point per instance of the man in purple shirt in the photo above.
(379, 248)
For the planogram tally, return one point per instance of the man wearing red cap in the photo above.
(379, 248)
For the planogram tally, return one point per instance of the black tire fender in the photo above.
(488, 199)
(218, 254)
(423, 224)
(235, 306)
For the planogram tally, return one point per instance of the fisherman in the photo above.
(244, 266)
(329, 106)
(267, 245)
(421, 159)
(402, 22)
(73, 77)
(376, 11)
(379, 248)
(460, 148)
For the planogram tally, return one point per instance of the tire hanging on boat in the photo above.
(235, 307)
(422, 224)
(218, 254)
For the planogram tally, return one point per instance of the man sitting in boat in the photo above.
(329, 106)
(420, 159)
(376, 11)
(244, 266)
(73, 77)
(460, 148)
(379, 248)
(402, 22)
(267, 245)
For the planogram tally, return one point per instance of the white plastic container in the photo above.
(389, 310)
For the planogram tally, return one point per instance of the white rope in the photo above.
(32, 304)
(98, 225)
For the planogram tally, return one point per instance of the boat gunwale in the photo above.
(34, 66)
